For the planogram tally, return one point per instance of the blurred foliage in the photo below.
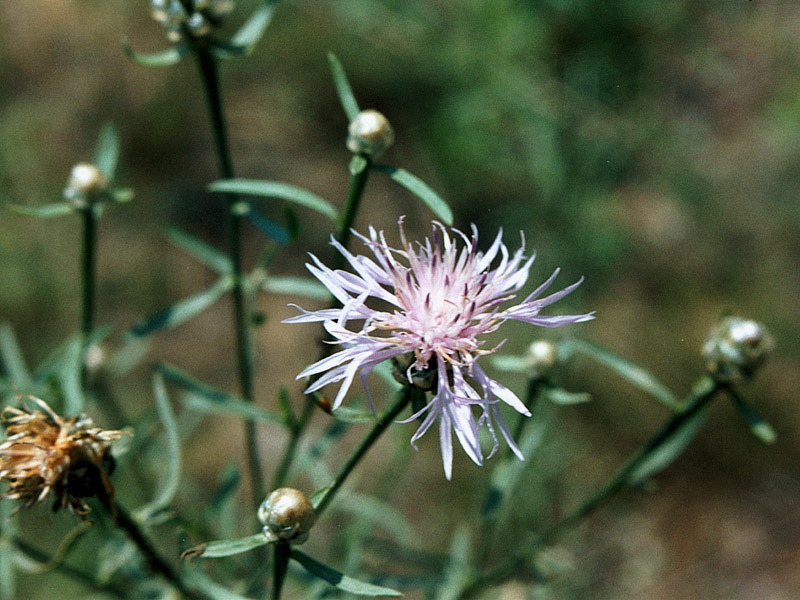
(652, 147)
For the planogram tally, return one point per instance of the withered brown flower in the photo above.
(45, 455)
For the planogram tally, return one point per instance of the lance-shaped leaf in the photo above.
(343, 89)
(376, 511)
(45, 211)
(165, 58)
(184, 310)
(222, 548)
(253, 29)
(204, 397)
(70, 376)
(338, 580)
(420, 189)
(629, 371)
(206, 254)
(511, 364)
(169, 476)
(276, 189)
(459, 571)
(107, 153)
(758, 426)
(296, 286)
(274, 231)
(558, 395)
(11, 357)
(203, 583)
(669, 450)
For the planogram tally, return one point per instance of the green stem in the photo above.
(703, 391)
(280, 565)
(208, 71)
(125, 522)
(88, 279)
(355, 192)
(403, 400)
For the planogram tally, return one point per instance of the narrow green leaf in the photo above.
(221, 548)
(558, 395)
(296, 286)
(274, 231)
(338, 580)
(107, 153)
(511, 364)
(165, 58)
(206, 254)
(357, 164)
(420, 189)
(253, 29)
(221, 513)
(45, 211)
(183, 311)
(203, 583)
(458, 571)
(8, 576)
(670, 449)
(70, 378)
(629, 371)
(346, 96)
(12, 359)
(170, 473)
(379, 513)
(208, 399)
(276, 189)
(120, 195)
(758, 426)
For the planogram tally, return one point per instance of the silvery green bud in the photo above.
(85, 181)
(199, 25)
(541, 357)
(287, 515)
(370, 134)
(736, 348)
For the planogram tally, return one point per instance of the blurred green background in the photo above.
(653, 147)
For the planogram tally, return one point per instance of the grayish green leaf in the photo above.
(758, 426)
(357, 164)
(222, 548)
(120, 195)
(511, 364)
(45, 211)
(274, 231)
(169, 475)
(420, 189)
(107, 152)
(202, 582)
(346, 96)
(11, 356)
(665, 454)
(558, 395)
(459, 570)
(206, 254)
(70, 377)
(629, 371)
(276, 189)
(378, 512)
(183, 311)
(296, 286)
(8, 576)
(338, 580)
(165, 58)
(253, 29)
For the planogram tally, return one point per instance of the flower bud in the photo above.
(370, 134)
(199, 25)
(736, 348)
(541, 357)
(287, 515)
(85, 180)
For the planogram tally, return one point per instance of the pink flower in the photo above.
(443, 295)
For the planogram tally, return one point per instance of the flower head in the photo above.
(44, 454)
(439, 299)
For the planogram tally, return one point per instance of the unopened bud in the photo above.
(370, 134)
(736, 348)
(199, 25)
(287, 515)
(541, 357)
(85, 180)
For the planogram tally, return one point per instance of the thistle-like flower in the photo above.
(46, 455)
(440, 297)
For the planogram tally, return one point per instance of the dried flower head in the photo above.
(46, 455)
(736, 348)
(443, 297)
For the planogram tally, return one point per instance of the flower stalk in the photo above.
(88, 282)
(210, 77)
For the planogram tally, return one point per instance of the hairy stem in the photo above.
(208, 71)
